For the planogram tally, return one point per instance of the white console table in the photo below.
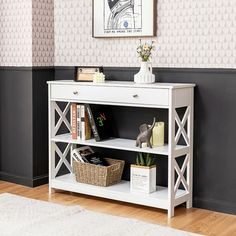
(158, 95)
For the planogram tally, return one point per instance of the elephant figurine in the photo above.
(145, 134)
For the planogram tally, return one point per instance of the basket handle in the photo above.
(115, 168)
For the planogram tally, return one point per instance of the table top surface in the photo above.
(127, 84)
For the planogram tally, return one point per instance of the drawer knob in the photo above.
(135, 95)
(75, 93)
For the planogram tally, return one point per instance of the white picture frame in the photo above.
(124, 18)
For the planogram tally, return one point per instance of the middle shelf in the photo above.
(121, 144)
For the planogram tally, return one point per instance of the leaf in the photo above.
(149, 161)
(142, 161)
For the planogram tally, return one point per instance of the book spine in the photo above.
(74, 121)
(92, 123)
(82, 112)
(76, 156)
(87, 127)
(78, 122)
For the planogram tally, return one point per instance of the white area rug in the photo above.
(26, 217)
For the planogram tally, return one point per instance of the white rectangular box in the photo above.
(143, 179)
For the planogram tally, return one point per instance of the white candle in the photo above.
(158, 134)
(98, 77)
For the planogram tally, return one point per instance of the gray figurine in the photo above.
(145, 134)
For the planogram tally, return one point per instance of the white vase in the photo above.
(145, 76)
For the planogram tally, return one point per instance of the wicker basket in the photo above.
(99, 175)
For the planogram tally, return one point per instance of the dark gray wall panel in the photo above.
(215, 136)
(23, 125)
(16, 135)
(40, 123)
(64, 73)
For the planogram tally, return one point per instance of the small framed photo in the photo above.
(124, 18)
(85, 74)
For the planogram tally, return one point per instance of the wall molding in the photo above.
(17, 179)
(30, 182)
(159, 69)
(13, 68)
(40, 180)
(26, 68)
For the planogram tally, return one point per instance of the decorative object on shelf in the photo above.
(145, 134)
(144, 50)
(158, 134)
(85, 74)
(99, 175)
(143, 174)
(144, 159)
(145, 76)
(98, 77)
(124, 18)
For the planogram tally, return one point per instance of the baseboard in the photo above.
(16, 179)
(40, 180)
(215, 205)
(29, 182)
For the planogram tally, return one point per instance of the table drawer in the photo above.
(146, 96)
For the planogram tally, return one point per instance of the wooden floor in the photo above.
(193, 220)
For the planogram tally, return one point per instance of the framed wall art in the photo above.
(124, 18)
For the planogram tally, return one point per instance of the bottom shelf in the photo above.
(120, 192)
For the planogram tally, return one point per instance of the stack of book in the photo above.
(85, 118)
(87, 155)
(80, 125)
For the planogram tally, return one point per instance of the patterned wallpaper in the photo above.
(15, 33)
(43, 32)
(191, 33)
(26, 33)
